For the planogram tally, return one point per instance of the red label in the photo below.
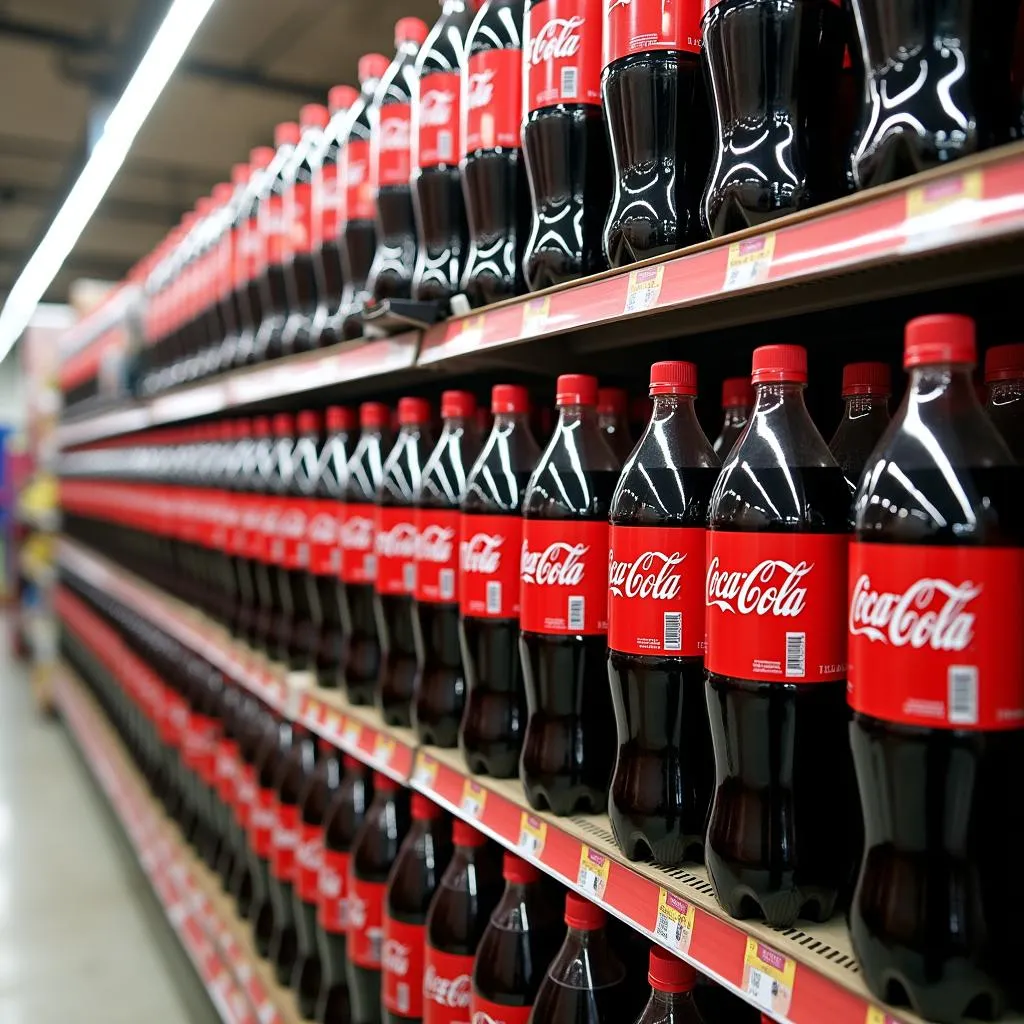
(332, 904)
(489, 552)
(245, 793)
(327, 205)
(563, 572)
(263, 821)
(395, 543)
(199, 746)
(447, 987)
(486, 1012)
(274, 227)
(935, 637)
(289, 547)
(437, 555)
(323, 536)
(492, 106)
(656, 590)
(227, 770)
(635, 26)
(358, 557)
(309, 856)
(402, 979)
(436, 119)
(286, 841)
(562, 53)
(360, 201)
(392, 135)
(300, 217)
(776, 606)
(365, 926)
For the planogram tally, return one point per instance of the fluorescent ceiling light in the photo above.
(155, 69)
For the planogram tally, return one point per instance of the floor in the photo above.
(81, 935)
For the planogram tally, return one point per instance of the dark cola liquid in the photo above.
(304, 619)
(302, 302)
(864, 422)
(323, 328)
(664, 772)
(391, 275)
(397, 677)
(274, 293)
(1006, 411)
(359, 244)
(443, 234)
(328, 642)
(566, 1004)
(297, 760)
(773, 741)
(440, 690)
(360, 647)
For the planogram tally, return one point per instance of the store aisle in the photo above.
(79, 938)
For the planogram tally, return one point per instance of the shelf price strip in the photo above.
(592, 877)
(674, 925)
(643, 289)
(474, 796)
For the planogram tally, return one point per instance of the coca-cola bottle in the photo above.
(436, 182)
(520, 939)
(1004, 379)
(564, 145)
(273, 743)
(249, 257)
(782, 833)
(468, 892)
(866, 391)
(360, 645)
(416, 874)
(395, 543)
(774, 71)
(439, 687)
(937, 690)
(570, 730)
(493, 174)
(343, 817)
(938, 84)
(613, 417)
(658, 127)
(359, 204)
(664, 771)
(248, 883)
(586, 981)
(737, 401)
(373, 853)
(673, 982)
(491, 531)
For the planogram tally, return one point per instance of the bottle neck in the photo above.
(735, 415)
(505, 421)
(569, 415)
(1003, 392)
(941, 390)
(679, 407)
(858, 406)
(666, 1003)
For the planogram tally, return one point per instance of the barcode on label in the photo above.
(446, 584)
(796, 654)
(445, 148)
(963, 694)
(493, 597)
(673, 632)
(569, 77)
(409, 576)
(577, 606)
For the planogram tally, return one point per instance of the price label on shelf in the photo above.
(643, 289)
(877, 1016)
(472, 333)
(474, 796)
(750, 262)
(941, 195)
(768, 977)
(535, 316)
(532, 834)
(352, 734)
(333, 723)
(593, 873)
(942, 211)
(383, 749)
(675, 921)
(424, 772)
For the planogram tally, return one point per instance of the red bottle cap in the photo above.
(576, 389)
(673, 377)
(463, 834)
(261, 426)
(314, 115)
(222, 192)
(581, 913)
(351, 763)
(457, 404)
(667, 973)
(424, 809)
(286, 134)
(284, 425)
(340, 417)
(737, 391)
(612, 401)
(260, 157)
(341, 97)
(242, 428)
(867, 379)
(226, 430)
(940, 338)
(1004, 362)
(373, 414)
(240, 174)
(310, 422)
(384, 783)
(413, 410)
(783, 363)
(410, 30)
(507, 398)
(371, 65)
(515, 869)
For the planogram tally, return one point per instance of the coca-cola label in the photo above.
(360, 201)
(489, 551)
(776, 606)
(332, 893)
(356, 534)
(483, 1011)
(227, 769)
(447, 987)
(492, 100)
(262, 821)
(437, 555)
(563, 576)
(562, 53)
(636, 26)
(323, 535)
(402, 968)
(365, 925)
(392, 136)
(934, 635)
(285, 843)
(289, 547)
(656, 590)
(436, 119)
(395, 544)
(245, 794)
(274, 228)
(309, 856)
(300, 218)
(328, 203)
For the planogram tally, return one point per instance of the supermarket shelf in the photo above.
(217, 943)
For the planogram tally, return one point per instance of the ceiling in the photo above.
(64, 62)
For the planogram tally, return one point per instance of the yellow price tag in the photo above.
(940, 195)
(750, 262)
(877, 1016)
(593, 874)
(768, 977)
(644, 288)
(675, 921)
(535, 316)
(472, 331)
(333, 724)
(474, 796)
(532, 834)
(424, 774)
(351, 734)
(383, 748)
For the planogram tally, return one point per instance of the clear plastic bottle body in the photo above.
(865, 420)
(1006, 410)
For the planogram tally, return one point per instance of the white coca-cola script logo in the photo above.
(310, 854)
(396, 957)
(482, 553)
(434, 544)
(453, 992)
(355, 173)
(356, 913)
(356, 533)
(481, 89)
(558, 39)
(929, 613)
(291, 524)
(322, 529)
(479, 1017)
(558, 565)
(285, 839)
(394, 132)
(398, 542)
(772, 587)
(436, 108)
(650, 575)
(329, 883)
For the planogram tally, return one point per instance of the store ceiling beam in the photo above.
(164, 215)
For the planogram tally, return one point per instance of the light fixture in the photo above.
(155, 69)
